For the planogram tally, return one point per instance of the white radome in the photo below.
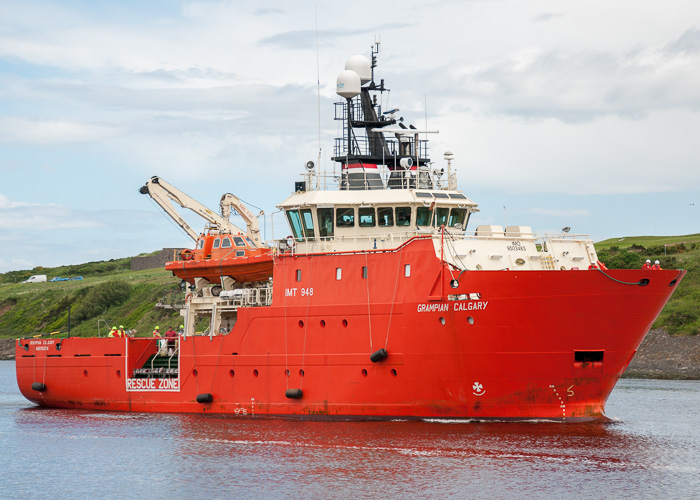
(360, 65)
(348, 84)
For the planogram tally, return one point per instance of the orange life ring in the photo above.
(187, 254)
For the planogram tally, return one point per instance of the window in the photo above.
(200, 244)
(308, 220)
(440, 195)
(325, 222)
(441, 214)
(458, 196)
(338, 273)
(238, 241)
(240, 253)
(364, 272)
(249, 241)
(217, 241)
(295, 224)
(298, 274)
(424, 195)
(424, 216)
(407, 270)
(345, 217)
(385, 216)
(366, 216)
(403, 216)
(457, 216)
(226, 243)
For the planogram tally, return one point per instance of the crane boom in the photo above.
(229, 201)
(164, 194)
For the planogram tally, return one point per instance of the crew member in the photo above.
(122, 332)
(647, 265)
(593, 266)
(181, 330)
(113, 332)
(656, 266)
(171, 335)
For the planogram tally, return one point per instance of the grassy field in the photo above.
(111, 294)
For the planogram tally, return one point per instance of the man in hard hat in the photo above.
(161, 343)
(113, 332)
(647, 265)
(181, 330)
(656, 266)
(122, 332)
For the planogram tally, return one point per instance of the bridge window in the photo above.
(226, 243)
(238, 241)
(441, 214)
(366, 216)
(424, 216)
(385, 216)
(403, 216)
(345, 217)
(308, 221)
(217, 241)
(457, 216)
(200, 243)
(249, 241)
(295, 224)
(325, 222)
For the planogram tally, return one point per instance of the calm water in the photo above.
(651, 449)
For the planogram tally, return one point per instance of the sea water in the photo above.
(649, 449)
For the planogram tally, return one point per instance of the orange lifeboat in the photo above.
(219, 255)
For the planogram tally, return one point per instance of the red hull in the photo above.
(536, 344)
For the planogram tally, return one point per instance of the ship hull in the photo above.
(503, 344)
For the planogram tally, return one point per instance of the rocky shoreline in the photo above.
(660, 356)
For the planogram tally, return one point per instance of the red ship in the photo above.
(379, 305)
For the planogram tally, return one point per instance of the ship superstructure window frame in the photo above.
(407, 270)
(307, 220)
(324, 216)
(217, 242)
(338, 273)
(366, 216)
(200, 243)
(442, 215)
(458, 216)
(403, 216)
(226, 242)
(298, 274)
(344, 217)
(240, 242)
(294, 219)
(385, 216)
(424, 216)
(423, 195)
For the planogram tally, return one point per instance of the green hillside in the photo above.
(111, 294)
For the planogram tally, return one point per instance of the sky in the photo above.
(559, 113)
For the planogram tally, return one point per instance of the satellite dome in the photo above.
(348, 84)
(361, 66)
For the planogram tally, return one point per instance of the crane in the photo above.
(164, 194)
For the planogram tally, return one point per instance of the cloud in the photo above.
(546, 16)
(687, 43)
(557, 212)
(47, 131)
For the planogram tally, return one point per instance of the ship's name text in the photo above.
(479, 305)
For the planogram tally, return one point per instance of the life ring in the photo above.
(291, 242)
(188, 297)
(187, 254)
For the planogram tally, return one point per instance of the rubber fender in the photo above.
(378, 356)
(293, 393)
(39, 387)
(205, 398)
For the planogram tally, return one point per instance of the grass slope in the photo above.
(109, 294)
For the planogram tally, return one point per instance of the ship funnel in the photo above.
(361, 66)
(348, 84)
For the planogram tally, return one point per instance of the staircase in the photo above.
(158, 367)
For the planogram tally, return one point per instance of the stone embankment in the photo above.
(659, 356)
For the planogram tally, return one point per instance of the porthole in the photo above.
(85, 373)
(323, 323)
(231, 373)
(393, 372)
(301, 324)
(345, 322)
(119, 373)
(364, 372)
(470, 320)
(301, 373)
(255, 373)
(194, 372)
(287, 373)
(442, 321)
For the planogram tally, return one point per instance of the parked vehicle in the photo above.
(58, 278)
(37, 278)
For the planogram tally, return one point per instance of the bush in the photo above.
(101, 297)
